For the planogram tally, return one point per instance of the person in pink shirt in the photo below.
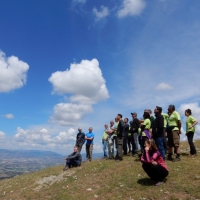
(153, 163)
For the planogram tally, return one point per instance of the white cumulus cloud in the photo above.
(2, 135)
(194, 107)
(69, 113)
(84, 81)
(13, 73)
(163, 86)
(104, 11)
(38, 138)
(9, 116)
(131, 8)
(85, 86)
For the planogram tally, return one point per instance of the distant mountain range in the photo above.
(16, 162)
(4, 153)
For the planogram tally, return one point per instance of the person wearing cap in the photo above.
(134, 133)
(190, 130)
(158, 130)
(129, 141)
(173, 133)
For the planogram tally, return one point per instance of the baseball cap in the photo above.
(134, 113)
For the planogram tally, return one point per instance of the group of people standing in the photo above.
(156, 137)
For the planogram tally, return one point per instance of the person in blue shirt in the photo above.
(89, 137)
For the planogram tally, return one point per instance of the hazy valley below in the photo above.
(17, 162)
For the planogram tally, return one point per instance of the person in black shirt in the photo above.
(73, 160)
(134, 133)
(158, 130)
(120, 138)
(80, 139)
(125, 135)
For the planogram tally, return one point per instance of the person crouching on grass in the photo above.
(153, 163)
(73, 160)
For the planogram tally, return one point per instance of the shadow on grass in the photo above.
(145, 181)
(184, 154)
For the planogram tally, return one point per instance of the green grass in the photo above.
(108, 180)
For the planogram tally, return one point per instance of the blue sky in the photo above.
(77, 63)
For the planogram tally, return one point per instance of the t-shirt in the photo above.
(152, 119)
(189, 122)
(165, 116)
(89, 135)
(116, 126)
(129, 133)
(147, 125)
(173, 119)
(139, 131)
(105, 135)
(80, 138)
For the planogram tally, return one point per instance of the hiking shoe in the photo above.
(65, 168)
(169, 158)
(159, 183)
(176, 159)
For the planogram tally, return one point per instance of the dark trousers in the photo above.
(72, 163)
(142, 141)
(125, 143)
(190, 136)
(134, 142)
(89, 149)
(165, 141)
(79, 146)
(120, 147)
(129, 141)
(155, 172)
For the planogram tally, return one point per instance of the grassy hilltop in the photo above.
(106, 179)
